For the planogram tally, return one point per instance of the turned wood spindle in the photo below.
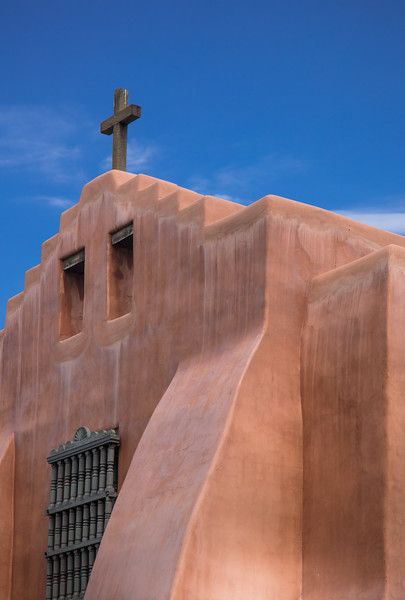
(71, 526)
(54, 477)
(87, 473)
(83, 570)
(69, 578)
(55, 578)
(78, 524)
(59, 482)
(49, 572)
(73, 480)
(100, 518)
(108, 509)
(92, 557)
(57, 531)
(66, 481)
(95, 470)
(76, 572)
(110, 466)
(93, 520)
(80, 477)
(102, 469)
(51, 531)
(62, 578)
(86, 522)
(64, 530)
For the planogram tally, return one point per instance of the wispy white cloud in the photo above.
(139, 156)
(390, 221)
(55, 202)
(42, 140)
(237, 182)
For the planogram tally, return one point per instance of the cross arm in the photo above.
(126, 115)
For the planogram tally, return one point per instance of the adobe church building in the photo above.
(204, 401)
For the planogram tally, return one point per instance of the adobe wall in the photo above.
(7, 464)
(354, 425)
(113, 373)
(202, 378)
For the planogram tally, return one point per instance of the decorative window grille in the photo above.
(82, 496)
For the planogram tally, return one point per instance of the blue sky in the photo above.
(305, 99)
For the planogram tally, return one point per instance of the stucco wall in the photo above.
(211, 502)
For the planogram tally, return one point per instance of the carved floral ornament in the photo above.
(81, 434)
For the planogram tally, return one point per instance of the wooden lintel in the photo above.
(122, 234)
(73, 260)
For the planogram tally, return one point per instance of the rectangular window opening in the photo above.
(72, 295)
(120, 272)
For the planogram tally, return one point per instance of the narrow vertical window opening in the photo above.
(120, 272)
(72, 295)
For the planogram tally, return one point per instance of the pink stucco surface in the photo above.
(256, 383)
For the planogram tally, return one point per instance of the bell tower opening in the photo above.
(72, 295)
(120, 272)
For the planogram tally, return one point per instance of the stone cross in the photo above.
(117, 125)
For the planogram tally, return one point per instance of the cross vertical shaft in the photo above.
(117, 125)
(120, 132)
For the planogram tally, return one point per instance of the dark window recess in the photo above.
(82, 496)
(72, 296)
(120, 272)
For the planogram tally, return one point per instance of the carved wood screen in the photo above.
(83, 492)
